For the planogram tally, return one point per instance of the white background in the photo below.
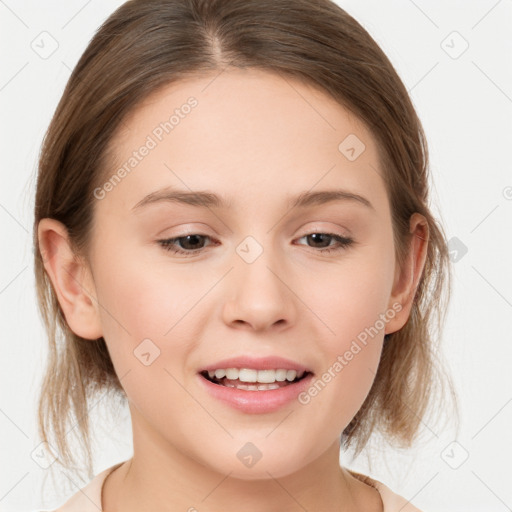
(465, 104)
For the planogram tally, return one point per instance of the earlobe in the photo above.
(71, 279)
(407, 279)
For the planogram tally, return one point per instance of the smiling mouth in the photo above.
(255, 386)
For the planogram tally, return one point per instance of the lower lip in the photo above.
(256, 402)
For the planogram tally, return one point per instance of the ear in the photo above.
(71, 279)
(407, 279)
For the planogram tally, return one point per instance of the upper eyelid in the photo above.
(313, 229)
(309, 232)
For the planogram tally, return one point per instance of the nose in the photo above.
(259, 297)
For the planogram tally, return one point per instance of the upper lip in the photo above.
(261, 363)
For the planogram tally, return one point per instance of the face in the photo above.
(183, 286)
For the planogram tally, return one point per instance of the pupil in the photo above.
(187, 241)
(317, 236)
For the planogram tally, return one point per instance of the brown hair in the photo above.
(147, 44)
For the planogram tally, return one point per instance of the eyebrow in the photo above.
(207, 199)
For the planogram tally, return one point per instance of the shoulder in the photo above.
(88, 498)
(392, 502)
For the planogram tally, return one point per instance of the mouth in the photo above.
(248, 379)
(255, 385)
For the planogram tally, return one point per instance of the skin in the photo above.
(255, 139)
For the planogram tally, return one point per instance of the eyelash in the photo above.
(344, 243)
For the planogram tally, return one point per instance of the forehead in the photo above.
(240, 132)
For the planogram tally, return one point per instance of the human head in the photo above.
(182, 40)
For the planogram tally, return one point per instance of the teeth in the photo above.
(259, 387)
(281, 375)
(246, 375)
(220, 373)
(232, 373)
(291, 374)
(256, 376)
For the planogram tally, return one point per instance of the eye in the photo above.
(322, 238)
(189, 245)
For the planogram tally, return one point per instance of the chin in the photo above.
(267, 472)
(270, 466)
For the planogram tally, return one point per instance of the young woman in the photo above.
(233, 235)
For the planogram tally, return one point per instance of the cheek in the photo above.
(148, 338)
(147, 301)
(350, 297)
(353, 305)
(144, 314)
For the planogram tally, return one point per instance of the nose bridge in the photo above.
(258, 295)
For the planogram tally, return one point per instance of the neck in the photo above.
(160, 477)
